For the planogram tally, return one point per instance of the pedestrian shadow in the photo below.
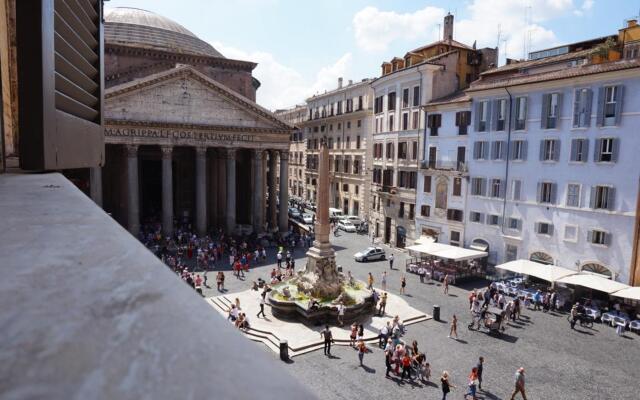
(452, 295)
(627, 337)
(583, 332)
(408, 295)
(514, 326)
(331, 356)
(289, 361)
(368, 369)
(487, 395)
(462, 341)
(429, 383)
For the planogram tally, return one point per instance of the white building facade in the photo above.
(296, 116)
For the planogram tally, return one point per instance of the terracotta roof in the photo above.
(433, 60)
(535, 63)
(567, 73)
(457, 97)
(453, 43)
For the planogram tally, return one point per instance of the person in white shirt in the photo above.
(384, 334)
(341, 309)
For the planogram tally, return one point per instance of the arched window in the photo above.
(541, 257)
(598, 269)
(441, 194)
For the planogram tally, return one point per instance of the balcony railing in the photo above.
(444, 165)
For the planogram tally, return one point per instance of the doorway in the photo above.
(401, 237)
(387, 229)
(151, 189)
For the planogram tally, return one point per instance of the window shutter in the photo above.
(512, 113)
(554, 190)
(596, 150)
(526, 105)
(587, 107)
(476, 119)
(615, 150)
(619, 100)
(512, 150)
(494, 114)
(559, 113)
(485, 151)
(500, 221)
(592, 197)
(585, 150)
(503, 188)
(545, 111)
(483, 191)
(519, 224)
(574, 150)
(476, 149)
(517, 186)
(481, 218)
(607, 239)
(539, 192)
(556, 150)
(502, 150)
(542, 150)
(600, 110)
(536, 227)
(611, 199)
(60, 65)
(577, 107)
(590, 236)
(550, 230)
(458, 118)
(525, 150)
(494, 150)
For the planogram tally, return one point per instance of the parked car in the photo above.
(335, 213)
(307, 218)
(294, 213)
(345, 225)
(371, 253)
(357, 221)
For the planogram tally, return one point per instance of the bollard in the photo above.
(436, 312)
(284, 350)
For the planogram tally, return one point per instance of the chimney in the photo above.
(448, 27)
(340, 83)
(350, 82)
(631, 23)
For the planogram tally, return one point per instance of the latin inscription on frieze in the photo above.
(178, 134)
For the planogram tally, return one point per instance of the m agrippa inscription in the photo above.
(178, 135)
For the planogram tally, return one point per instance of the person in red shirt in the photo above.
(406, 366)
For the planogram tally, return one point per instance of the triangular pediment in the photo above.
(186, 96)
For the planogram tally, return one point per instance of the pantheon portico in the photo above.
(185, 140)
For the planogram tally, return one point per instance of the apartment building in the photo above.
(295, 117)
(553, 174)
(423, 74)
(342, 117)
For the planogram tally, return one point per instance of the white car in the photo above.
(307, 218)
(371, 253)
(357, 221)
(346, 226)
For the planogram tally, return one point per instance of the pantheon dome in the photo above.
(141, 28)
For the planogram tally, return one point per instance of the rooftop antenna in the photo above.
(439, 31)
(504, 41)
(499, 33)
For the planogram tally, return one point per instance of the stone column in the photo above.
(284, 192)
(133, 202)
(231, 190)
(201, 190)
(273, 190)
(167, 191)
(95, 181)
(258, 190)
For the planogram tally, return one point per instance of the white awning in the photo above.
(632, 293)
(425, 240)
(478, 245)
(550, 273)
(595, 282)
(447, 251)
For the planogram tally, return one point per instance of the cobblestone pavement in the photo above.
(560, 363)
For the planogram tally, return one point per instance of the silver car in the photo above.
(369, 254)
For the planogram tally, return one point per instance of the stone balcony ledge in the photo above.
(88, 313)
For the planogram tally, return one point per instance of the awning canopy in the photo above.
(447, 251)
(632, 293)
(479, 245)
(550, 273)
(425, 240)
(594, 282)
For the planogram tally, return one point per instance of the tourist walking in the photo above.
(354, 333)
(445, 284)
(341, 309)
(421, 273)
(446, 385)
(262, 302)
(383, 282)
(454, 327)
(391, 261)
(473, 382)
(480, 368)
(406, 366)
(362, 348)
(388, 359)
(370, 282)
(403, 284)
(383, 304)
(519, 384)
(328, 339)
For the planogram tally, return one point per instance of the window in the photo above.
(551, 104)
(356, 166)
(377, 106)
(573, 195)
(433, 152)
(510, 253)
(493, 219)
(339, 125)
(455, 238)
(610, 101)
(544, 228)
(358, 141)
(425, 211)
(348, 124)
(500, 114)
(405, 98)
(414, 150)
(597, 236)
(463, 119)
(478, 186)
(337, 187)
(546, 192)
(415, 120)
(402, 150)
(390, 123)
(519, 150)
(356, 189)
(482, 114)
(454, 215)
(496, 188)
(348, 143)
(497, 150)
(516, 188)
(475, 216)
(391, 101)
(582, 108)
(602, 198)
(412, 211)
(457, 186)
(416, 96)
(520, 113)
(427, 184)
(346, 165)
(481, 150)
(549, 150)
(606, 150)
(405, 121)
(345, 187)
(413, 179)
(579, 150)
(515, 224)
(571, 233)
(338, 143)
(433, 123)
(401, 210)
(390, 153)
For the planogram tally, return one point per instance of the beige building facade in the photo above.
(295, 117)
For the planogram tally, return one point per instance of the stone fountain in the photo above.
(314, 293)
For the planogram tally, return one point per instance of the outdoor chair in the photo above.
(634, 325)
(607, 319)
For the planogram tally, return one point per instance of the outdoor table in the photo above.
(592, 312)
(612, 318)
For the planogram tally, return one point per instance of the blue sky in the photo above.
(302, 47)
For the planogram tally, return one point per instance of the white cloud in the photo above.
(586, 6)
(283, 86)
(521, 23)
(375, 29)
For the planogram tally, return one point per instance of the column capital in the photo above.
(167, 151)
(258, 153)
(284, 155)
(230, 154)
(131, 150)
(201, 151)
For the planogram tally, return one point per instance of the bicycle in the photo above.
(585, 321)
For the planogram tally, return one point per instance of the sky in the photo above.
(303, 46)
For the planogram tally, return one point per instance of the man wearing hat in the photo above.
(519, 384)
